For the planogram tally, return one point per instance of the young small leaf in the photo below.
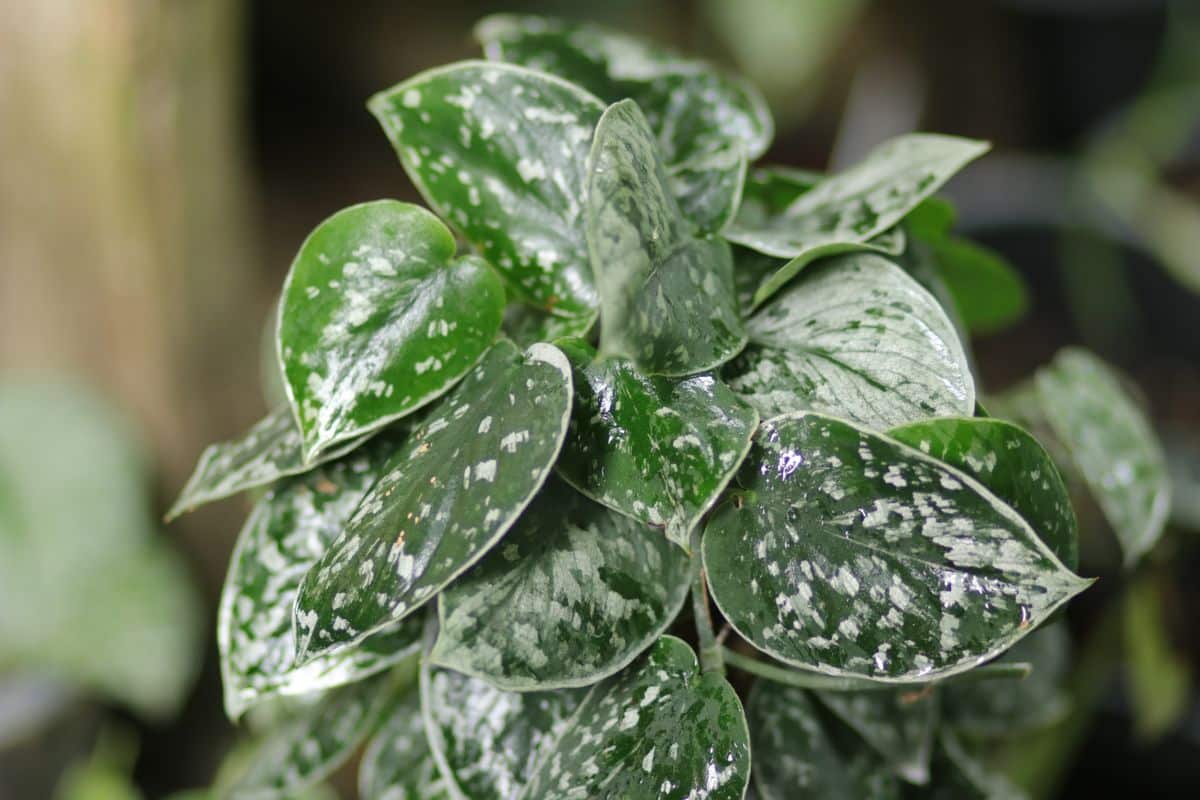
(848, 209)
(270, 450)
(500, 151)
(658, 449)
(856, 337)
(445, 497)
(795, 758)
(378, 318)
(852, 554)
(1111, 443)
(1012, 465)
(398, 764)
(988, 293)
(666, 296)
(288, 531)
(898, 724)
(576, 592)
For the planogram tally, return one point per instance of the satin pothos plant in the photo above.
(614, 365)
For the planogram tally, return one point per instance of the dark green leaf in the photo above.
(271, 450)
(500, 152)
(288, 531)
(959, 774)
(988, 293)
(847, 210)
(795, 758)
(852, 554)
(897, 724)
(378, 318)
(527, 325)
(859, 338)
(1012, 465)
(398, 764)
(666, 297)
(575, 593)
(1111, 443)
(317, 740)
(694, 109)
(931, 220)
(446, 497)
(658, 449)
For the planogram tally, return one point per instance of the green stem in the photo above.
(710, 649)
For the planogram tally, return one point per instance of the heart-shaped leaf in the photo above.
(378, 318)
(270, 450)
(848, 209)
(852, 554)
(445, 497)
(288, 531)
(317, 740)
(398, 764)
(859, 338)
(1111, 443)
(667, 298)
(576, 592)
(500, 152)
(694, 109)
(796, 758)
(658, 449)
(898, 724)
(1012, 465)
(487, 741)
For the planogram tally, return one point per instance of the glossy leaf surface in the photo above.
(658, 449)
(848, 209)
(500, 152)
(445, 497)
(1012, 465)
(859, 338)
(575, 592)
(667, 298)
(378, 318)
(852, 554)
(288, 531)
(398, 764)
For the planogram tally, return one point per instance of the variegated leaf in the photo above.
(398, 764)
(898, 724)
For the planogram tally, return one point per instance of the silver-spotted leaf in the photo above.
(796, 758)
(1012, 465)
(270, 450)
(856, 337)
(574, 594)
(378, 318)
(848, 209)
(666, 296)
(398, 764)
(487, 741)
(694, 109)
(898, 724)
(500, 152)
(316, 740)
(658, 449)
(288, 531)
(1111, 443)
(852, 554)
(445, 497)
(709, 188)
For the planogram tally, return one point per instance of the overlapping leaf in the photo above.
(1111, 443)
(898, 724)
(398, 764)
(445, 497)
(500, 152)
(846, 210)
(658, 449)
(1012, 465)
(575, 593)
(271, 450)
(378, 318)
(796, 758)
(852, 554)
(859, 338)
(288, 531)
(666, 296)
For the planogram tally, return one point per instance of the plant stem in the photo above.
(710, 649)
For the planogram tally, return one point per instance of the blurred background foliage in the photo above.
(163, 159)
